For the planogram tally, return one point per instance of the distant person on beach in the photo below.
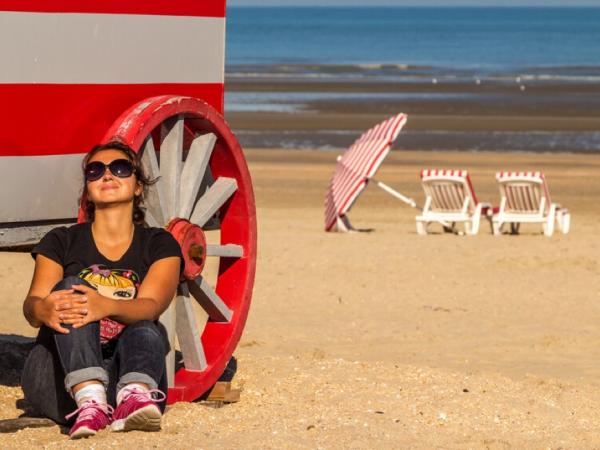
(97, 291)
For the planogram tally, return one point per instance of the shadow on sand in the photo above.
(13, 353)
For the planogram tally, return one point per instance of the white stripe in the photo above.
(110, 48)
(39, 187)
(358, 163)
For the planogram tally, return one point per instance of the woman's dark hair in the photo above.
(138, 171)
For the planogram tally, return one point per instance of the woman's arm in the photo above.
(153, 297)
(41, 307)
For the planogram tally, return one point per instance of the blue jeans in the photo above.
(59, 361)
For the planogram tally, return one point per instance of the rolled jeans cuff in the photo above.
(136, 377)
(87, 374)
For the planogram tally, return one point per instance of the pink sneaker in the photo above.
(91, 418)
(138, 411)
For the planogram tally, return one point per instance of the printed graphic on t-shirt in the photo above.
(119, 284)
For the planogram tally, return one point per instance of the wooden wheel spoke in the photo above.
(151, 220)
(203, 179)
(225, 251)
(213, 199)
(188, 333)
(171, 151)
(193, 172)
(155, 197)
(167, 319)
(205, 295)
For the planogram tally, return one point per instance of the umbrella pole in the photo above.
(343, 224)
(411, 202)
(395, 193)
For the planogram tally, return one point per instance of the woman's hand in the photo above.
(61, 307)
(97, 306)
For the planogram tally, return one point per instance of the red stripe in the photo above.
(348, 198)
(55, 119)
(199, 8)
(466, 176)
(359, 156)
(358, 164)
(394, 128)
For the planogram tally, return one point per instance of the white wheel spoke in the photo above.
(213, 199)
(193, 172)
(225, 251)
(155, 198)
(188, 333)
(205, 295)
(168, 320)
(171, 151)
(150, 219)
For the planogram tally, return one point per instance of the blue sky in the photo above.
(415, 2)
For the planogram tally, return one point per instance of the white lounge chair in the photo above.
(450, 198)
(525, 199)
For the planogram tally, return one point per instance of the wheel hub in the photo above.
(192, 240)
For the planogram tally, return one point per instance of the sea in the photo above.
(402, 45)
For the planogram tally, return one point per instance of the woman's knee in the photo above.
(142, 327)
(69, 282)
(146, 331)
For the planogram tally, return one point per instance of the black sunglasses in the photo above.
(122, 168)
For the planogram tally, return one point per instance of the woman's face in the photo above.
(110, 189)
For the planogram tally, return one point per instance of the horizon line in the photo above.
(416, 6)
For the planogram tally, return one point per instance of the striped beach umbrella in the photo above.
(356, 166)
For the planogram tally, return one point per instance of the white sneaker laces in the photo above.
(88, 409)
(154, 395)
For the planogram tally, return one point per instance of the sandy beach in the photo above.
(388, 339)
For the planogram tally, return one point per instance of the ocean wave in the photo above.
(323, 70)
(413, 73)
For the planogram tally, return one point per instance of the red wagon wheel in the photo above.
(204, 192)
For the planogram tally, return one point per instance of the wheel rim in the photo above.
(204, 179)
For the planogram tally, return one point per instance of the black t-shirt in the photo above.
(75, 250)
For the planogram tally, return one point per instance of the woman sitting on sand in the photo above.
(96, 294)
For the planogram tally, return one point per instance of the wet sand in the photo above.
(388, 339)
(500, 115)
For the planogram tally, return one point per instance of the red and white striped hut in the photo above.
(75, 74)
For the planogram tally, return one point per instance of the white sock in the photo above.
(93, 391)
(129, 387)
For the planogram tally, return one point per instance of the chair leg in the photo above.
(549, 224)
(566, 222)
(514, 227)
(497, 228)
(474, 225)
(563, 219)
(421, 228)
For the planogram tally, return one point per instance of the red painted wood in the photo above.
(199, 8)
(187, 235)
(55, 119)
(238, 226)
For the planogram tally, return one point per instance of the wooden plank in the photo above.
(222, 392)
(155, 196)
(26, 235)
(188, 333)
(214, 306)
(168, 320)
(213, 199)
(193, 172)
(151, 220)
(225, 251)
(171, 150)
